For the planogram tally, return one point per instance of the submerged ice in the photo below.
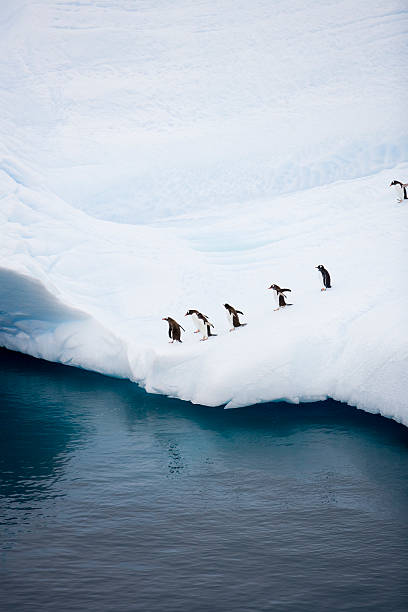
(238, 148)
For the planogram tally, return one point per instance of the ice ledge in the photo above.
(83, 292)
(36, 322)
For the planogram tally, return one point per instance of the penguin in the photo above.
(174, 329)
(401, 189)
(233, 317)
(196, 320)
(326, 277)
(280, 296)
(201, 321)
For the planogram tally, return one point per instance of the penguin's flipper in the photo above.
(286, 289)
(240, 312)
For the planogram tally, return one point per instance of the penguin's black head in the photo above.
(320, 267)
(190, 312)
(395, 183)
(272, 287)
(227, 306)
(165, 318)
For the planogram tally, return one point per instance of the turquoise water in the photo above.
(113, 499)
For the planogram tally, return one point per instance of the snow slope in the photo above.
(131, 109)
(238, 145)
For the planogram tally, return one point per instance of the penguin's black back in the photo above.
(176, 333)
(326, 278)
(175, 330)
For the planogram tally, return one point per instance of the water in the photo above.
(115, 500)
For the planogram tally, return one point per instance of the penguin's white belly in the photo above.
(197, 322)
(200, 325)
(230, 319)
(400, 191)
(276, 296)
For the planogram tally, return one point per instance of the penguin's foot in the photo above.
(171, 341)
(197, 331)
(233, 329)
(323, 289)
(399, 200)
(275, 309)
(202, 339)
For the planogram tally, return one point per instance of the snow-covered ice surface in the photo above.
(238, 145)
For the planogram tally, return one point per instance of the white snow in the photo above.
(239, 145)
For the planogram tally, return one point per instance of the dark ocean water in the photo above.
(115, 500)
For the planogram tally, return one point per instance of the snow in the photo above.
(161, 156)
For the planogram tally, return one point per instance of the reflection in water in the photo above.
(176, 460)
(40, 426)
(113, 499)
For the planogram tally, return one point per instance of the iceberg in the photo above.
(166, 158)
